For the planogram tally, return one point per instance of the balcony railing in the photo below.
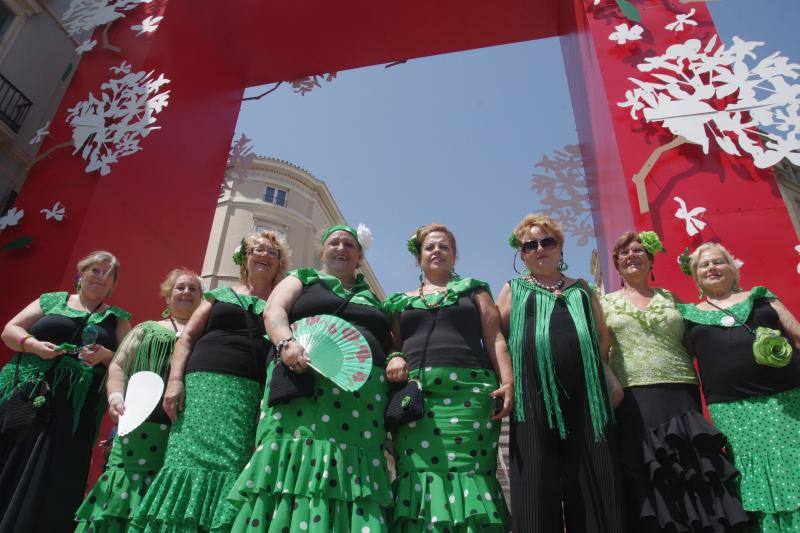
(13, 104)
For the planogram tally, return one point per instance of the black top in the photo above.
(318, 299)
(57, 328)
(728, 369)
(228, 347)
(456, 338)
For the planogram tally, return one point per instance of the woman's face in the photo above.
(263, 260)
(714, 272)
(97, 280)
(633, 260)
(545, 258)
(341, 254)
(186, 296)
(437, 254)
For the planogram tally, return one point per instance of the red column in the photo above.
(744, 207)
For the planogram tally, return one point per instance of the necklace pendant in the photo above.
(727, 321)
(557, 293)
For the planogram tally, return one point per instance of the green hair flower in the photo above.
(412, 244)
(240, 254)
(651, 242)
(770, 348)
(513, 241)
(685, 260)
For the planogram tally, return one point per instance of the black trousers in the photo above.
(573, 483)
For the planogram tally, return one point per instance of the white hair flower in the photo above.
(364, 236)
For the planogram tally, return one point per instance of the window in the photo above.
(275, 196)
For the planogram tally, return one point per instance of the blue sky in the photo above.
(453, 139)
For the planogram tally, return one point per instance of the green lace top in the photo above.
(457, 286)
(647, 345)
(254, 304)
(361, 292)
(716, 317)
(55, 303)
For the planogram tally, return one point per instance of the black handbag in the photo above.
(286, 385)
(406, 404)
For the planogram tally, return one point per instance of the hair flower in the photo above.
(685, 261)
(240, 253)
(412, 244)
(651, 242)
(364, 236)
(513, 241)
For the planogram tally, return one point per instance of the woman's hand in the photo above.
(173, 398)
(116, 406)
(295, 357)
(506, 392)
(95, 354)
(43, 349)
(397, 370)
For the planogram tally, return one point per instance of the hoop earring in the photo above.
(621, 281)
(514, 262)
(166, 312)
(421, 278)
(701, 292)
(562, 266)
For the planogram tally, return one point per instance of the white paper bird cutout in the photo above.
(693, 224)
(11, 218)
(681, 20)
(625, 33)
(58, 212)
(365, 236)
(86, 46)
(797, 249)
(148, 25)
(41, 133)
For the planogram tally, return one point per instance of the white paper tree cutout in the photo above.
(307, 84)
(11, 218)
(148, 25)
(58, 212)
(693, 224)
(700, 93)
(107, 128)
(562, 186)
(797, 249)
(624, 34)
(240, 159)
(85, 15)
(682, 20)
(86, 46)
(41, 133)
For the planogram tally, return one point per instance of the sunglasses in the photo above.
(548, 243)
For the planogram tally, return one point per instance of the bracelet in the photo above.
(115, 395)
(392, 355)
(283, 344)
(23, 340)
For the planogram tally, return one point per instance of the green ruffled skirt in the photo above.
(134, 461)
(446, 462)
(319, 464)
(764, 441)
(208, 447)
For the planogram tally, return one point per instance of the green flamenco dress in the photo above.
(319, 463)
(136, 458)
(210, 442)
(446, 462)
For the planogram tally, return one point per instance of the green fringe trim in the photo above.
(545, 301)
(154, 352)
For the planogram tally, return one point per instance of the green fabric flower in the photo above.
(771, 348)
(685, 260)
(651, 242)
(412, 245)
(405, 402)
(513, 241)
(240, 254)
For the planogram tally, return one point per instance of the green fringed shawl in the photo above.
(545, 301)
(147, 348)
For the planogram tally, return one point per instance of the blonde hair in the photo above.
(694, 260)
(172, 278)
(427, 229)
(277, 242)
(541, 221)
(99, 256)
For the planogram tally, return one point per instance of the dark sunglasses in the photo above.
(548, 243)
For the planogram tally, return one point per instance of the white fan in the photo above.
(143, 394)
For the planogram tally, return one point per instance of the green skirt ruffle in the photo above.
(764, 441)
(208, 447)
(134, 461)
(319, 464)
(446, 462)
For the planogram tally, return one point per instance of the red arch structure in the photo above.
(154, 210)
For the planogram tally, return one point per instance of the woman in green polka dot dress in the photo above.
(449, 334)
(753, 395)
(136, 458)
(319, 462)
(222, 355)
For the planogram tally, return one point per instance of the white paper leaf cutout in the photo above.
(561, 185)
(41, 133)
(58, 212)
(86, 46)
(110, 126)
(625, 33)
(693, 224)
(797, 249)
(148, 25)
(11, 218)
(85, 15)
(240, 158)
(682, 20)
(307, 84)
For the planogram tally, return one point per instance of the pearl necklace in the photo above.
(555, 288)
